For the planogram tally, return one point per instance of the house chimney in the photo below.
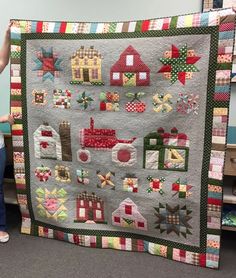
(91, 123)
(65, 136)
(160, 130)
(174, 130)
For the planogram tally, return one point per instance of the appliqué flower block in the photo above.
(43, 173)
(166, 151)
(178, 64)
(127, 215)
(51, 203)
(61, 98)
(100, 139)
(89, 209)
(106, 180)
(182, 189)
(39, 97)
(86, 65)
(109, 101)
(187, 103)
(162, 103)
(85, 101)
(130, 183)
(129, 70)
(82, 176)
(155, 184)
(47, 64)
(173, 219)
(135, 105)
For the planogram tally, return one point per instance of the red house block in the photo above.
(89, 209)
(129, 70)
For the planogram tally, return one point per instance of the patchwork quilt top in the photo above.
(120, 131)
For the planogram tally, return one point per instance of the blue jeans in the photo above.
(2, 204)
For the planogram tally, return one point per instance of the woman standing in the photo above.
(4, 59)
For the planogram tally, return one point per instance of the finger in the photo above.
(10, 23)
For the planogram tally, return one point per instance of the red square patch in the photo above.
(128, 209)
(156, 184)
(117, 219)
(48, 64)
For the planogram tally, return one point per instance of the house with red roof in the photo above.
(130, 70)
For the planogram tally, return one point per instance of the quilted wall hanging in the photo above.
(119, 134)
(218, 4)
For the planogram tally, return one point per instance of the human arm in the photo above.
(5, 50)
(7, 119)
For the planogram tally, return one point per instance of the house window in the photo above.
(95, 61)
(98, 214)
(77, 73)
(82, 203)
(98, 205)
(128, 209)
(141, 224)
(129, 60)
(90, 204)
(82, 212)
(85, 61)
(46, 133)
(94, 73)
(77, 62)
(116, 219)
(116, 76)
(142, 75)
(153, 141)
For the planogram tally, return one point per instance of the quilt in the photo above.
(120, 131)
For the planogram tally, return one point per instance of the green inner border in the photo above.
(210, 104)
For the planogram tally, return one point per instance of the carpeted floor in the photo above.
(33, 257)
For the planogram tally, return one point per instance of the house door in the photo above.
(151, 159)
(90, 214)
(129, 79)
(86, 75)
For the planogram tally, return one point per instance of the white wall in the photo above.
(93, 10)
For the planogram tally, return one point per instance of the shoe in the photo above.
(4, 238)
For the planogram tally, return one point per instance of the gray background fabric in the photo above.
(127, 125)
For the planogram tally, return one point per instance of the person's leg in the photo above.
(2, 204)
